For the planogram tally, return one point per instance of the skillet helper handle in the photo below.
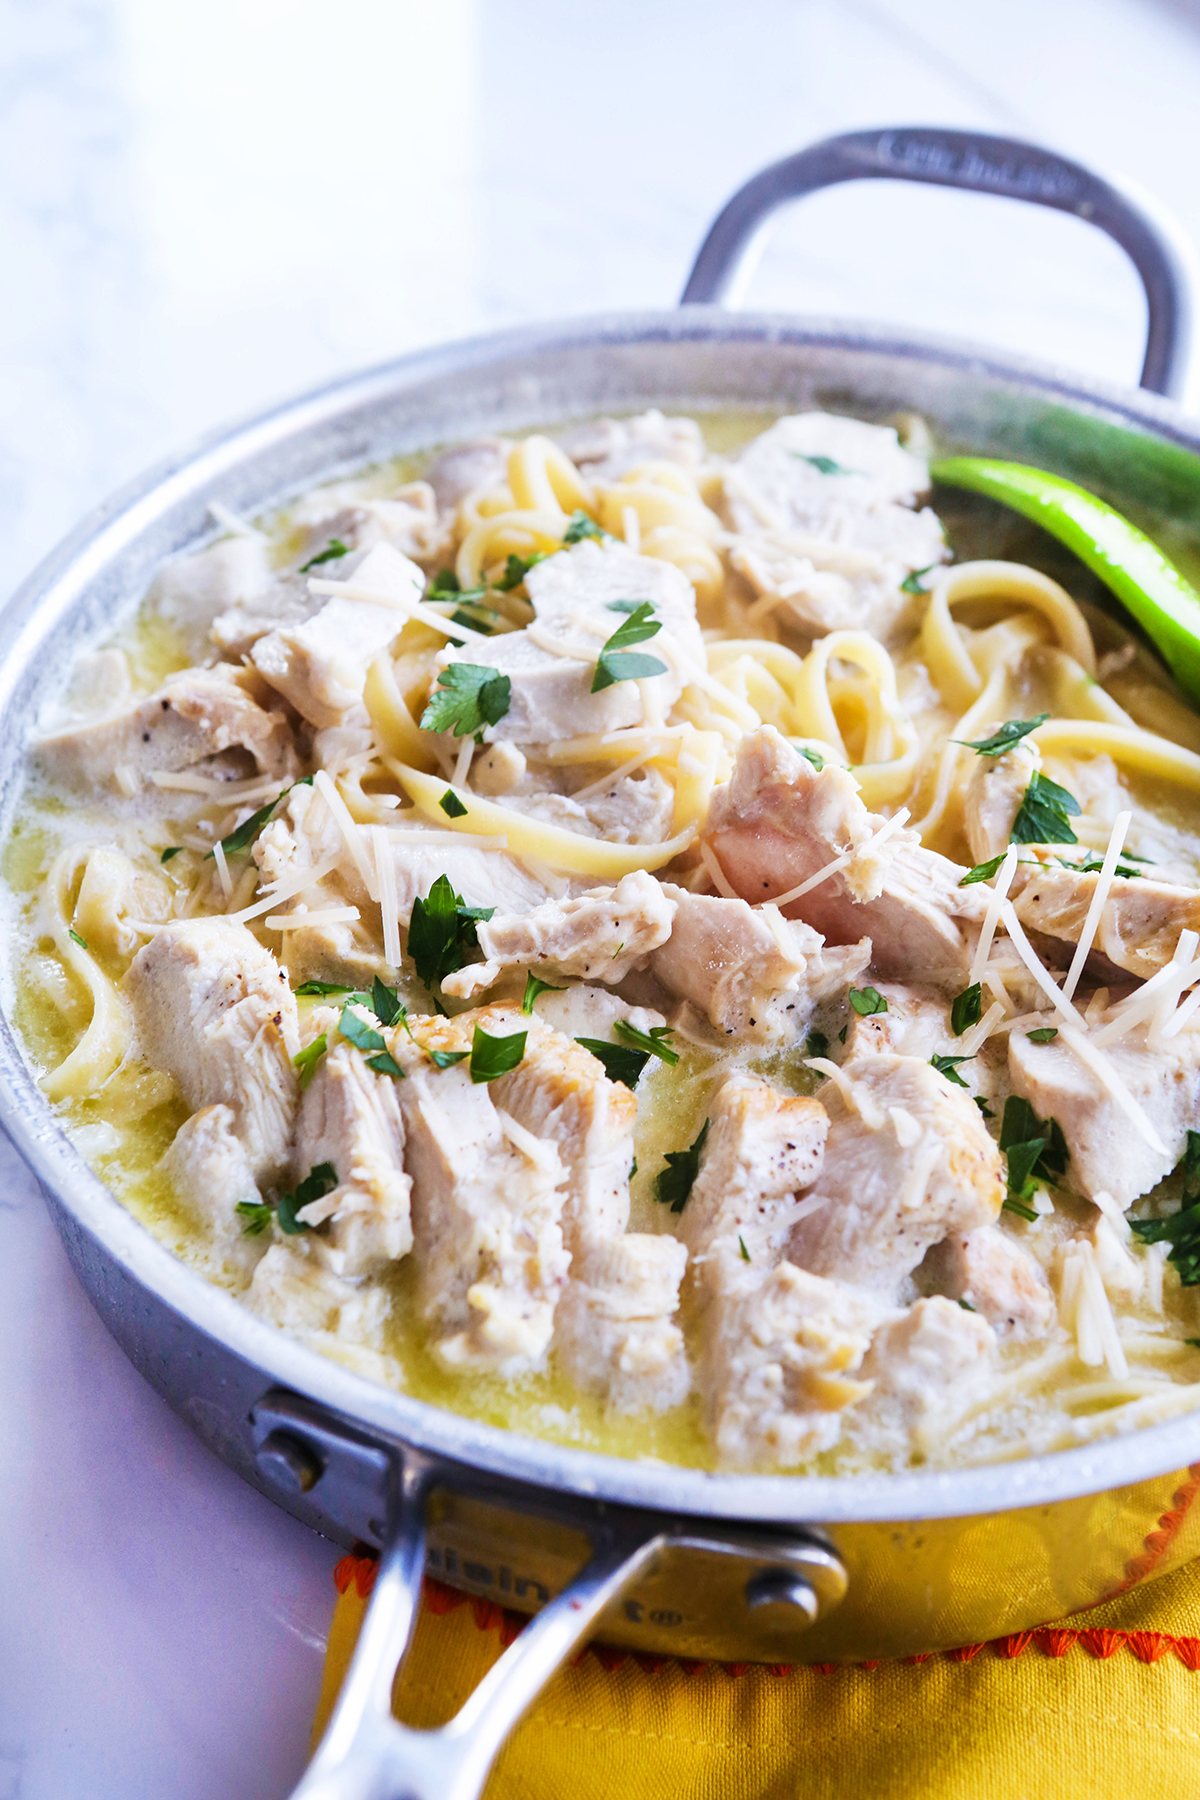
(982, 164)
(366, 1754)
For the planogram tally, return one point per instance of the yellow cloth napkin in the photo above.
(1103, 1707)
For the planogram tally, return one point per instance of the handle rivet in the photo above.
(782, 1600)
(289, 1463)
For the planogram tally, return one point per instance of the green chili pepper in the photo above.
(1145, 581)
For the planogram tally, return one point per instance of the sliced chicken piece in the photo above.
(191, 590)
(615, 1331)
(927, 1368)
(582, 1010)
(780, 821)
(551, 664)
(780, 1351)
(1140, 921)
(601, 935)
(636, 809)
(350, 1118)
(824, 509)
(1000, 1280)
(321, 665)
(343, 512)
(193, 718)
(916, 1023)
(459, 472)
(606, 449)
(995, 789)
(908, 1161)
(487, 1202)
(304, 835)
(1108, 1153)
(210, 1172)
(336, 952)
(763, 1149)
(214, 1009)
(561, 1094)
(295, 1288)
(752, 972)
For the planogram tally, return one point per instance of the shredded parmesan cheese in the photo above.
(223, 869)
(858, 1102)
(385, 871)
(286, 890)
(351, 832)
(721, 882)
(325, 915)
(991, 917)
(840, 862)
(977, 1036)
(1091, 923)
(228, 521)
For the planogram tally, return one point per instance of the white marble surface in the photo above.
(204, 208)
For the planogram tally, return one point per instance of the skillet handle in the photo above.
(1154, 242)
(366, 1754)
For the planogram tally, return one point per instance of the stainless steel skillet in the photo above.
(740, 1568)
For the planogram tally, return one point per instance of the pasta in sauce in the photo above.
(616, 933)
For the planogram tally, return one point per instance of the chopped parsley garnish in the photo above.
(742, 1248)
(674, 1184)
(912, 584)
(517, 568)
(441, 932)
(468, 697)
(316, 1184)
(824, 465)
(445, 585)
(323, 987)
(333, 549)
(305, 1061)
(948, 1066)
(982, 871)
(1003, 739)
(812, 756)
(170, 851)
(257, 1217)
(867, 1000)
(492, 1057)
(533, 987)
(248, 830)
(580, 527)
(652, 1042)
(364, 1037)
(1045, 1034)
(1044, 814)
(966, 1304)
(452, 806)
(842, 1035)
(1009, 1204)
(620, 1064)
(385, 1002)
(967, 1009)
(446, 1059)
(75, 937)
(1182, 1229)
(624, 606)
(1094, 867)
(1036, 1151)
(983, 1106)
(816, 1044)
(617, 663)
